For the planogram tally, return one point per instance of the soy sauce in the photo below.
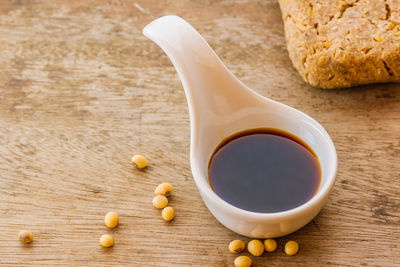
(264, 170)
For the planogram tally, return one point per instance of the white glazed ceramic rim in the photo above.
(321, 194)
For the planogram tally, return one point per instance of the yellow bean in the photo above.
(25, 236)
(140, 161)
(168, 213)
(160, 201)
(291, 248)
(255, 247)
(164, 189)
(270, 245)
(236, 246)
(106, 240)
(242, 261)
(111, 219)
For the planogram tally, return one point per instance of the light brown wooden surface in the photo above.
(82, 90)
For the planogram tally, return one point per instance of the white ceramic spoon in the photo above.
(221, 105)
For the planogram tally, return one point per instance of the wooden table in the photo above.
(82, 90)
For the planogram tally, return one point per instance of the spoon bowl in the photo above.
(219, 106)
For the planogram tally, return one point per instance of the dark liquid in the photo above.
(264, 170)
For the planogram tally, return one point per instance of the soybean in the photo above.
(106, 240)
(236, 246)
(270, 245)
(164, 189)
(25, 236)
(140, 161)
(242, 261)
(291, 248)
(168, 213)
(160, 201)
(111, 219)
(255, 247)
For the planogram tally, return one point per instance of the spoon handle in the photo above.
(211, 89)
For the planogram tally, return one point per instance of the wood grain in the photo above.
(82, 90)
